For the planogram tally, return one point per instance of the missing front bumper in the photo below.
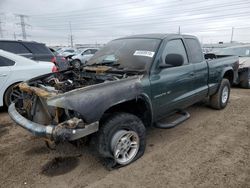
(53, 132)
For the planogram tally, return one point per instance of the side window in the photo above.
(13, 47)
(4, 62)
(37, 48)
(175, 47)
(87, 52)
(196, 55)
(93, 51)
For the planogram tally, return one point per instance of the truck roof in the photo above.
(157, 36)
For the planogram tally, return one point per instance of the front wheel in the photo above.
(12, 95)
(121, 139)
(220, 99)
(76, 64)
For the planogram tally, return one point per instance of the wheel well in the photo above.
(229, 75)
(138, 107)
(7, 90)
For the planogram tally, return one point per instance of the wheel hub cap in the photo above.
(225, 94)
(125, 145)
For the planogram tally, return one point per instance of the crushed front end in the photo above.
(56, 124)
(66, 106)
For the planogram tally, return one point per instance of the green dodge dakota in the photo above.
(131, 83)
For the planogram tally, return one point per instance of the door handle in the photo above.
(3, 75)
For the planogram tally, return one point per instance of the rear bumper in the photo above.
(53, 132)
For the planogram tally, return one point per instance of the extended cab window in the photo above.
(4, 62)
(13, 47)
(196, 55)
(175, 47)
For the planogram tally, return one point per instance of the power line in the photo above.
(165, 6)
(23, 25)
(167, 11)
(156, 22)
(150, 18)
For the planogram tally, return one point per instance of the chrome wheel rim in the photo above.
(125, 146)
(15, 95)
(225, 93)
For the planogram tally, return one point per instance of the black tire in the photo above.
(8, 98)
(216, 100)
(76, 64)
(110, 127)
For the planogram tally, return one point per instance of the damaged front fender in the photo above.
(92, 101)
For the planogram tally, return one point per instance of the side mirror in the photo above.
(172, 60)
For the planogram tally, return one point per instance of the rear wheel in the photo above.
(121, 139)
(220, 99)
(11, 95)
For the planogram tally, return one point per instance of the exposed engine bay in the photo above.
(73, 79)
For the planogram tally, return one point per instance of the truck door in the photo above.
(172, 88)
(200, 67)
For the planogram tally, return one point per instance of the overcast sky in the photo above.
(98, 21)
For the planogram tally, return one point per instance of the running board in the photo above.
(164, 124)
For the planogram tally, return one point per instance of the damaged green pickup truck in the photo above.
(131, 83)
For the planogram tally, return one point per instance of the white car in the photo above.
(83, 57)
(65, 52)
(15, 69)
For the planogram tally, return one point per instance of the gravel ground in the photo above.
(211, 149)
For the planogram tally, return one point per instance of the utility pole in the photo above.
(179, 30)
(14, 35)
(71, 36)
(232, 35)
(1, 28)
(23, 25)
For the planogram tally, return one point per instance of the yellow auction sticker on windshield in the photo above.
(144, 53)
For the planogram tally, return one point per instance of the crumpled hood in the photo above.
(92, 101)
(244, 62)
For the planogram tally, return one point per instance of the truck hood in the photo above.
(92, 101)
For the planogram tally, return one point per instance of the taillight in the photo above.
(54, 69)
(53, 60)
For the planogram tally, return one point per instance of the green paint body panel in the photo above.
(176, 88)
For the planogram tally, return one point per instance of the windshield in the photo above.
(239, 51)
(133, 54)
